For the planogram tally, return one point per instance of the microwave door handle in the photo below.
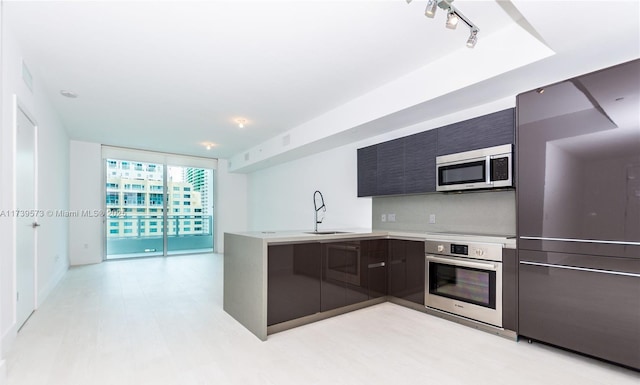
(487, 170)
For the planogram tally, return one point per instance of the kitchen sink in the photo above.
(326, 232)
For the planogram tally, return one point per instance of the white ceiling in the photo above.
(169, 76)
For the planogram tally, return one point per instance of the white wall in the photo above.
(230, 206)
(281, 197)
(52, 258)
(3, 370)
(85, 193)
(53, 197)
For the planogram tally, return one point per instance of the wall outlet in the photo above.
(392, 217)
(432, 219)
(383, 217)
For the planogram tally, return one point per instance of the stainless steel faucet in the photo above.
(318, 208)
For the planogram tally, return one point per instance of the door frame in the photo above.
(18, 107)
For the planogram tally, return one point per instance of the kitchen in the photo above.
(574, 282)
(275, 204)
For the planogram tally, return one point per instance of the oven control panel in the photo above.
(485, 251)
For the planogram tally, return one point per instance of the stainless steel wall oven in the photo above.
(465, 280)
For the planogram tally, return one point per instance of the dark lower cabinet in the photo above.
(583, 303)
(406, 270)
(342, 275)
(307, 278)
(293, 281)
(374, 255)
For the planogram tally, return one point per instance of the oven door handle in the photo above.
(493, 266)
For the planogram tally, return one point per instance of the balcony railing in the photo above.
(143, 234)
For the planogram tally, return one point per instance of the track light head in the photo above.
(473, 38)
(432, 6)
(452, 19)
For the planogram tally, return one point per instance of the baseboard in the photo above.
(8, 339)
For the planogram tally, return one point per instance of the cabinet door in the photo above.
(342, 272)
(375, 252)
(390, 179)
(293, 281)
(485, 131)
(406, 270)
(420, 162)
(397, 268)
(367, 171)
(414, 285)
(591, 310)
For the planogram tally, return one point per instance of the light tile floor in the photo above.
(160, 321)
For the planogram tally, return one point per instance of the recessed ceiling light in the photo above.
(208, 145)
(241, 122)
(68, 94)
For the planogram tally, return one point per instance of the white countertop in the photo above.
(288, 236)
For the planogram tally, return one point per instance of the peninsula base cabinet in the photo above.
(293, 281)
(308, 278)
(588, 304)
(342, 275)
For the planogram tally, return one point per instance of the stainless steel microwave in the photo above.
(490, 167)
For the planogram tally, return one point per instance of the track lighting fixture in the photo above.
(453, 17)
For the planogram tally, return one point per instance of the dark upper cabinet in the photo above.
(406, 270)
(390, 177)
(420, 162)
(293, 287)
(408, 165)
(401, 166)
(489, 130)
(367, 171)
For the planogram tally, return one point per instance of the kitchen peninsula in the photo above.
(286, 256)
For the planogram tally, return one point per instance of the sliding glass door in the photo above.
(190, 210)
(155, 210)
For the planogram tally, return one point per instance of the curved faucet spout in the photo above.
(318, 205)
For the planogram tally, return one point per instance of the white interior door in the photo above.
(26, 220)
